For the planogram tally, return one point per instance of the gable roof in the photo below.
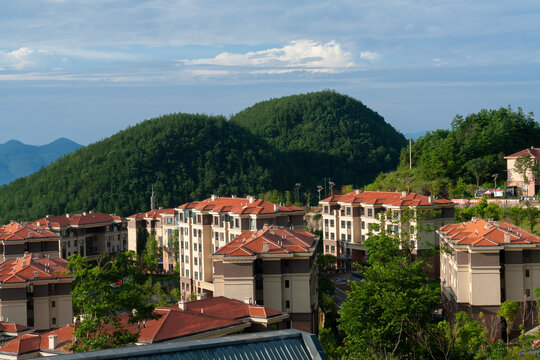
(229, 308)
(247, 205)
(532, 151)
(386, 198)
(86, 218)
(15, 231)
(153, 213)
(32, 267)
(479, 232)
(278, 240)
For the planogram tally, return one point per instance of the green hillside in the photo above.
(188, 157)
(454, 162)
(326, 134)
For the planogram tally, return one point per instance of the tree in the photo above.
(531, 214)
(100, 295)
(523, 165)
(151, 254)
(383, 312)
(508, 311)
(345, 189)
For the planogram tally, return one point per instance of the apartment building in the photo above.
(274, 267)
(35, 291)
(347, 219)
(515, 180)
(88, 234)
(490, 262)
(163, 223)
(205, 226)
(17, 239)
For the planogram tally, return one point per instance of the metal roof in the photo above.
(280, 345)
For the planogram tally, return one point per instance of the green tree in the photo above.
(523, 165)
(383, 313)
(151, 254)
(345, 189)
(100, 295)
(531, 214)
(508, 312)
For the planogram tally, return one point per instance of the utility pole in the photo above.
(495, 179)
(152, 200)
(319, 189)
(410, 153)
(331, 184)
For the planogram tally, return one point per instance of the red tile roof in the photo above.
(229, 308)
(78, 219)
(153, 213)
(386, 198)
(479, 232)
(32, 267)
(16, 232)
(239, 206)
(12, 327)
(278, 240)
(534, 152)
(22, 344)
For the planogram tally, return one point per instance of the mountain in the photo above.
(188, 157)
(325, 134)
(18, 159)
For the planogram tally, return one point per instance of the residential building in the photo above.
(516, 181)
(88, 234)
(205, 226)
(284, 344)
(489, 262)
(163, 224)
(202, 319)
(347, 221)
(17, 239)
(36, 292)
(274, 267)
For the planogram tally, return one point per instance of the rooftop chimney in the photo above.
(233, 196)
(276, 208)
(67, 215)
(247, 300)
(182, 305)
(430, 199)
(473, 219)
(53, 341)
(213, 197)
(357, 191)
(265, 246)
(251, 199)
(506, 238)
(403, 194)
(486, 227)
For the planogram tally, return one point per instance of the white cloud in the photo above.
(368, 55)
(306, 55)
(18, 59)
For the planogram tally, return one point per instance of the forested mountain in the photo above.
(471, 152)
(188, 157)
(18, 159)
(326, 134)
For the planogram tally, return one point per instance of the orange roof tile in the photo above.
(534, 152)
(153, 213)
(32, 267)
(16, 232)
(239, 206)
(278, 240)
(386, 198)
(86, 218)
(232, 309)
(479, 232)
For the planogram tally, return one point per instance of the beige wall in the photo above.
(239, 288)
(273, 292)
(14, 311)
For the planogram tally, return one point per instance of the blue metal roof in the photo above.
(280, 345)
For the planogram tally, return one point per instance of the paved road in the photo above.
(339, 297)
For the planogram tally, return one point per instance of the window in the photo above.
(528, 292)
(187, 287)
(194, 232)
(69, 243)
(369, 212)
(363, 225)
(332, 236)
(181, 258)
(349, 238)
(221, 236)
(326, 249)
(342, 224)
(331, 223)
(187, 275)
(216, 220)
(195, 262)
(183, 274)
(326, 236)
(169, 232)
(75, 243)
(286, 284)
(196, 275)
(237, 223)
(389, 228)
(326, 209)
(348, 211)
(54, 321)
(198, 219)
(333, 249)
(53, 303)
(343, 237)
(348, 224)
(194, 246)
(200, 233)
(287, 304)
(187, 259)
(396, 214)
(396, 229)
(326, 222)
(527, 273)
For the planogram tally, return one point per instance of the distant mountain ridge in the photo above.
(18, 159)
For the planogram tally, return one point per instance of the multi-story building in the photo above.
(88, 234)
(16, 239)
(274, 267)
(36, 291)
(347, 219)
(515, 180)
(163, 224)
(205, 226)
(489, 262)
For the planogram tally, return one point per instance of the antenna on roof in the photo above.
(152, 200)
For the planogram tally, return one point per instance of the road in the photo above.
(339, 297)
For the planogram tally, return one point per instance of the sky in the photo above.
(85, 69)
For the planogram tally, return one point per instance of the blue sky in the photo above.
(84, 69)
